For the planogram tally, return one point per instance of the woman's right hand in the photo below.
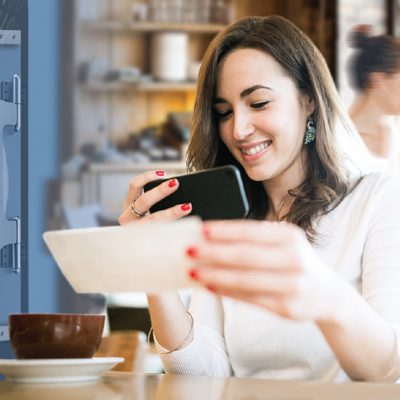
(138, 203)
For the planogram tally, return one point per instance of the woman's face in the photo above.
(262, 117)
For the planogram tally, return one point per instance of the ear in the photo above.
(309, 105)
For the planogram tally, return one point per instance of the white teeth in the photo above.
(256, 149)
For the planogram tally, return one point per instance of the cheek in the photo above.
(287, 119)
(225, 133)
(274, 124)
(288, 130)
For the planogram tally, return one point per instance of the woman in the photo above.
(315, 296)
(375, 75)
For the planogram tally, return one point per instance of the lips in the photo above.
(255, 149)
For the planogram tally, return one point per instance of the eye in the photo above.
(221, 115)
(260, 105)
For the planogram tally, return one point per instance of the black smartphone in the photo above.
(216, 193)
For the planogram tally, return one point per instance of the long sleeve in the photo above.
(360, 241)
(381, 261)
(206, 354)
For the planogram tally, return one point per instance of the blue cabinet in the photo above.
(13, 163)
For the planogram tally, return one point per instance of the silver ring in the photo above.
(135, 211)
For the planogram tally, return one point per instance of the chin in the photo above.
(257, 174)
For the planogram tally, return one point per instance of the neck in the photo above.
(367, 113)
(279, 201)
(279, 207)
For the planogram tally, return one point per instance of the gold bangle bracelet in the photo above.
(185, 342)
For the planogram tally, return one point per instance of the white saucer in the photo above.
(57, 370)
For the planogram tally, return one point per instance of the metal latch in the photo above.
(15, 92)
(4, 333)
(10, 37)
(10, 254)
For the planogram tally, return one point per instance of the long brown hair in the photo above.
(326, 181)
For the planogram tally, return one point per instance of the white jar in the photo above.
(169, 54)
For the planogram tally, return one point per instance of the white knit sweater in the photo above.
(360, 239)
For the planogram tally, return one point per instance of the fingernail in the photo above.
(192, 252)
(172, 183)
(160, 173)
(186, 207)
(193, 274)
(211, 288)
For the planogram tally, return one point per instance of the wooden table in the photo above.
(126, 386)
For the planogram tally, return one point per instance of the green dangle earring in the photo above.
(309, 136)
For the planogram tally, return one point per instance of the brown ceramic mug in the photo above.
(55, 335)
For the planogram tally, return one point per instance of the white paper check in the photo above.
(143, 256)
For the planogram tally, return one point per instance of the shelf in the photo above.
(136, 167)
(141, 87)
(116, 26)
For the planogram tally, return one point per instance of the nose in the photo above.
(242, 126)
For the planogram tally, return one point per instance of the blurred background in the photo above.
(111, 89)
(128, 77)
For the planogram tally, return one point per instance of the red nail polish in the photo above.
(172, 183)
(193, 274)
(191, 252)
(186, 207)
(160, 173)
(211, 288)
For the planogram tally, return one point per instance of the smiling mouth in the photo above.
(256, 149)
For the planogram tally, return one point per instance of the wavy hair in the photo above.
(327, 178)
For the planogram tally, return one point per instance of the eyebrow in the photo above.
(244, 93)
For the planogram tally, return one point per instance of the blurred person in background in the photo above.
(374, 71)
(308, 286)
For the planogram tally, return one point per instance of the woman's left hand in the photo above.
(266, 263)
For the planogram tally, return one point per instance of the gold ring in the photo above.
(135, 211)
